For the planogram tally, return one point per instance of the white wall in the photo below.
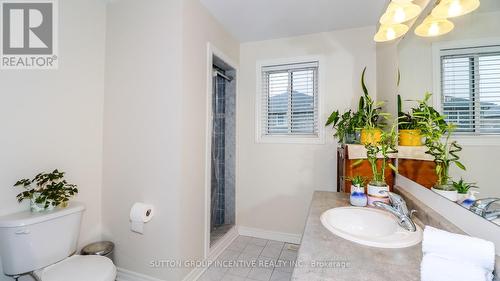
(415, 62)
(154, 124)
(53, 118)
(199, 28)
(276, 181)
(387, 73)
(141, 130)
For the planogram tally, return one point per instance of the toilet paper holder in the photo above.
(140, 213)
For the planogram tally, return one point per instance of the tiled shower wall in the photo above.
(230, 141)
(223, 147)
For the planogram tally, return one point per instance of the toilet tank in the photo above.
(30, 241)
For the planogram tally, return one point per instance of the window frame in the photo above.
(464, 138)
(291, 139)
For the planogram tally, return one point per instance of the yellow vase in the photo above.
(371, 136)
(410, 138)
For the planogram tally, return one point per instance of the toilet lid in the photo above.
(80, 268)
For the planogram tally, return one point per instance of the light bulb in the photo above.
(433, 29)
(455, 8)
(390, 33)
(399, 15)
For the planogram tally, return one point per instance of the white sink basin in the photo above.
(370, 227)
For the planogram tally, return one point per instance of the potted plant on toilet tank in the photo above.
(46, 191)
(437, 133)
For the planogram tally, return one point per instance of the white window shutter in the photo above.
(290, 100)
(470, 89)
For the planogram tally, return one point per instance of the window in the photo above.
(289, 100)
(470, 89)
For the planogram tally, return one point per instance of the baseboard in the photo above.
(214, 253)
(127, 275)
(270, 235)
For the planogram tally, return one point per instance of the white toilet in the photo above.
(43, 245)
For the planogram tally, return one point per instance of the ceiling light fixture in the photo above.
(454, 8)
(390, 32)
(400, 12)
(432, 26)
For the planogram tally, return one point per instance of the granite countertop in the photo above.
(324, 256)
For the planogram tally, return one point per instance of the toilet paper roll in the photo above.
(140, 214)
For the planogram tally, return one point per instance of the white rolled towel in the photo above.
(436, 268)
(461, 248)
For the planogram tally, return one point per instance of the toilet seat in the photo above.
(79, 268)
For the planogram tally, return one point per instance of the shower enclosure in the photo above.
(222, 162)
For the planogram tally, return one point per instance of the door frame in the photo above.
(214, 51)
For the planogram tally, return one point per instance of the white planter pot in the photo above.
(461, 197)
(451, 195)
(358, 198)
(376, 193)
(39, 207)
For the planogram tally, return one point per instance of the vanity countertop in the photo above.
(324, 256)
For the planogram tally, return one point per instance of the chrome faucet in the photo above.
(481, 207)
(398, 208)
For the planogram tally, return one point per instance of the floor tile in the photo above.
(266, 262)
(239, 271)
(274, 243)
(272, 250)
(288, 255)
(250, 257)
(243, 239)
(260, 274)
(284, 266)
(229, 255)
(253, 249)
(258, 241)
(237, 245)
(281, 276)
(229, 277)
(213, 274)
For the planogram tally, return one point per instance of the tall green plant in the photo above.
(437, 133)
(382, 150)
(371, 112)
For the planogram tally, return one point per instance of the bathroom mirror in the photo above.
(462, 71)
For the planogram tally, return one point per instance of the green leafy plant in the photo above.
(345, 125)
(47, 189)
(407, 120)
(382, 150)
(372, 116)
(437, 135)
(358, 181)
(463, 187)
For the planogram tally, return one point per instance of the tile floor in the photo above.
(219, 232)
(253, 259)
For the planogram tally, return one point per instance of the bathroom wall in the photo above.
(276, 181)
(198, 28)
(53, 118)
(415, 56)
(142, 131)
(154, 124)
(387, 71)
